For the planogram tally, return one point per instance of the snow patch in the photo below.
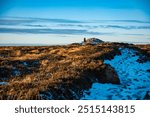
(3, 83)
(16, 72)
(25, 63)
(47, 95)
(134, 78)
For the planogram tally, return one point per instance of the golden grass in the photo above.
(60, 70)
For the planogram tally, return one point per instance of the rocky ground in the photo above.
(70, 71)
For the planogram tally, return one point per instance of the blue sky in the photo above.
(67, 21)
(75, 9)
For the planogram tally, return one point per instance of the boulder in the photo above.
(92, 41)
(109, 75)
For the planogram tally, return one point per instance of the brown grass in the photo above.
(59, 70)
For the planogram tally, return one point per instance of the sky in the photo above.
(69, 21)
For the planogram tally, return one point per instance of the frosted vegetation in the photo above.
(134, 78)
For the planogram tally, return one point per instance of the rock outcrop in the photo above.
(110, 75)
(92, 41)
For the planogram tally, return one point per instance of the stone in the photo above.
(92, 41)
(110, 75)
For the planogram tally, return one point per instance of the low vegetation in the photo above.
(57, 72)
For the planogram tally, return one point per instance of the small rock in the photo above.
(147, 96)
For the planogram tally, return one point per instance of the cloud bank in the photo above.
(67, 26)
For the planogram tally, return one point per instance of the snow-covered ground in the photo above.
(3, 83)
(134, 78)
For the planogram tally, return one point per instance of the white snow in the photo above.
(134, 78)
(3, 83)
(16, 72)
(25, 63)
(47, 95)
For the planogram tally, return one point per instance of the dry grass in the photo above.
(60, 70)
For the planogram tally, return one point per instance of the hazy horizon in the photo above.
(68, 21)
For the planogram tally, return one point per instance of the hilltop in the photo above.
(60, 72)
